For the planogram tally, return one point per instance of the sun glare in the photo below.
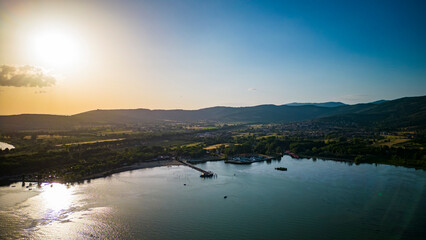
(57, 197)
(55, 48)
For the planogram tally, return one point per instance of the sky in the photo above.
(67, 57)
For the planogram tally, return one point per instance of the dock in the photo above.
(204, 173)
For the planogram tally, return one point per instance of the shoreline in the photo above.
(351, 161)
(7, 180)
(136, 166)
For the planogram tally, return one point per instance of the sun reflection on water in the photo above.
(57, 197)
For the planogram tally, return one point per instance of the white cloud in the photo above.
(25, 76)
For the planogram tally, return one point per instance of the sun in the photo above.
(56, 48)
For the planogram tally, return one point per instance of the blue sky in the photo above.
(330, 50)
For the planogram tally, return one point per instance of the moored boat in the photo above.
(281, 169)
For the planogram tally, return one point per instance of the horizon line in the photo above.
(179, 109)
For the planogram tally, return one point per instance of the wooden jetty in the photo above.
(204, 173)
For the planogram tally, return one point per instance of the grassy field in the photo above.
(113, 132)
(89, 142)
(391, 141)
(216, 146)
(192, 144)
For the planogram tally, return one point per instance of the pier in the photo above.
(204, 173)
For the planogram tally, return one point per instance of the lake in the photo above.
(312, 200)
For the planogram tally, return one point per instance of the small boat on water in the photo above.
(207, 174)
(281, 169)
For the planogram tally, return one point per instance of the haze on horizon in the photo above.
(66, 57)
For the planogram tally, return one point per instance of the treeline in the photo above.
(75, 162)
(363, 151)
(242, 145)
(253, 145)
(358, 150)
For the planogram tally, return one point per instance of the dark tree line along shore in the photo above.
(45, 157)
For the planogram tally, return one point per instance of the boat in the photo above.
(281, 169)
(206, 174)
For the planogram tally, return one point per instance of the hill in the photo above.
(410, 111)
(325, 104)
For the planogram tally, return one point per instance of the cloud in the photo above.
(25, 76)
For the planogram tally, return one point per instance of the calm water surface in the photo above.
(312, 200)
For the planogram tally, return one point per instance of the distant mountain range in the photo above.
(403, 112)
(325, 104)
(379, 101)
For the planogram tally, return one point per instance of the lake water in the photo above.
(312, 200)
(4, 145)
